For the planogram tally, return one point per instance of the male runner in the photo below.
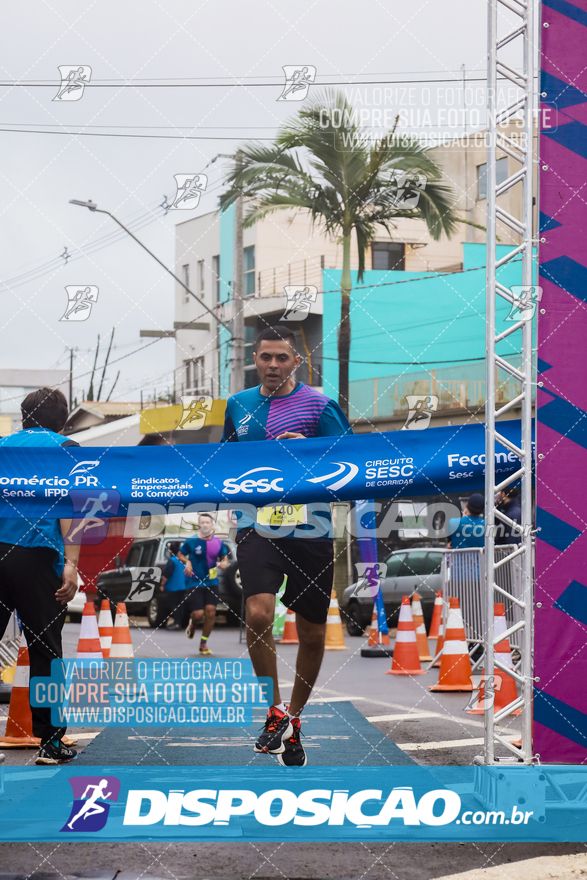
(202, 555)
(282, 409)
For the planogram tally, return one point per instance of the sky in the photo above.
(146, 59)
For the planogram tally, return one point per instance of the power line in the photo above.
(121, 84)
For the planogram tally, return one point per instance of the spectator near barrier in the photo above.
(173, 585)
(469, 530)
(508, 501)
(38, 575)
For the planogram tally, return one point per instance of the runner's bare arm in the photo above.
(223, 562)
(68, 587)
(291, 435)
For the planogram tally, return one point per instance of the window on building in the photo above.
(186, 280)
(201, 278)
(501, 174)
(388, 255)
(195, 376)
(216, 277)
(249, 270)
(11, 397)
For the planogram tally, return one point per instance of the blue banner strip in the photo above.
(66, 804)
(100, 483)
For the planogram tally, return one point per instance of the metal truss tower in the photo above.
(522, 152)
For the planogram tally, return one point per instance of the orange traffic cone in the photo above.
(405, 656)
(436, 617)
(421, 640)
(121, 645)
(334, 638)
(378, 644)
(455, 665)
(290, 633)
(88, 647)
(507, 692)
(105, 627)
(19, 726)
(439, 643)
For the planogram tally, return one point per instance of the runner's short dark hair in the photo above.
(45, 408)
(273, 334)
(209, 515)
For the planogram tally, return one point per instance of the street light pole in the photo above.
(237, 373)
(93, 207)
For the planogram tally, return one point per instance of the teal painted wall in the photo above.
(418, 325)
(226, 274)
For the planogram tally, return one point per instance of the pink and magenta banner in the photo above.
(560, 697)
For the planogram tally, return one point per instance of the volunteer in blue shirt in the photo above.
(173, 585)
(469, 530)
(202, 555)
(38, 576)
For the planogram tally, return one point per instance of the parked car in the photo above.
(408, 571)
(115, 584)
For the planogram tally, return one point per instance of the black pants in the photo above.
(28, 583)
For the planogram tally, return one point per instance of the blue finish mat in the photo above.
(333, 734)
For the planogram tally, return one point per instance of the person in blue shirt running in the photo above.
(469, 530)
(202, 555)
(281, 408)
(38, 575)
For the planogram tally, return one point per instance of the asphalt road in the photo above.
(431, 728)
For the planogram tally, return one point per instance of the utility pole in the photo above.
(237, 372)
(71, 350)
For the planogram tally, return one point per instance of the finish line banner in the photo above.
(202, 803)
(100, 483)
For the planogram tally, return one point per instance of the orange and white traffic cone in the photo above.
(455, 665)
(439, 643)
(290, 632)
(334, 640)
(378, 644)
(418, 617)
(19, 726)
(88, 647)
(436, 622)
(405, 655)
(121, 645)
(105, 628)
(506, 692)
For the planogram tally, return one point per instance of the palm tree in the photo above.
(322, 162)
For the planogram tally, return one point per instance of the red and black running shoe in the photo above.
(277, 728)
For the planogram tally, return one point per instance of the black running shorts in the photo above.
(197, 598)
(308, 564)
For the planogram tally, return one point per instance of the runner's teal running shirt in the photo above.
(251, 415)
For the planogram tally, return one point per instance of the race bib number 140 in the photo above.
(282, 515)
